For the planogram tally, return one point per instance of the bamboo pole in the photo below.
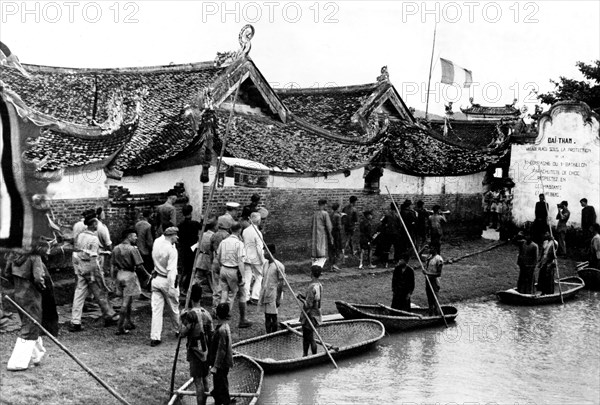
(201, 234)
(437, 303)
(555, 260)
(86, 368)
(325, 345)
(430, 68)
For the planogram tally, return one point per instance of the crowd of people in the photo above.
(539, 246)
(163, 256)
(400, 228)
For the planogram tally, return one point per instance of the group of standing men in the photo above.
(532, 259)
(333, 233)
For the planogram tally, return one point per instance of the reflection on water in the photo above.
(493, 354)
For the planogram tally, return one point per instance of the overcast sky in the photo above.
(510, 46)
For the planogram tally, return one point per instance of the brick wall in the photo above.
(290, 212)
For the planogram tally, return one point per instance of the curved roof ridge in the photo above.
(182, 67)
(332, 89)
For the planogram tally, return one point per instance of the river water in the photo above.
(493, 354)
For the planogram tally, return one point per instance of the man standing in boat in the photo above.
(527, 259)
(220, 356)
(403, 285)
(547, 265)
(433, 273)
(540, 224)
(198, 327)
(312, 308)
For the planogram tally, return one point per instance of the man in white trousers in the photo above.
(255, 258)
(164, 283)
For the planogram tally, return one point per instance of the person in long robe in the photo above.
(527, 259)
(321, 235)
(547, 265)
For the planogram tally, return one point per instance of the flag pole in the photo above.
(430, 68)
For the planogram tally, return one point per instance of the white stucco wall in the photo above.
(161, 182)
(80, 184)
(567, 155)
(397, 182)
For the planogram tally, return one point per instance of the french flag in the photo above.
(452, 73)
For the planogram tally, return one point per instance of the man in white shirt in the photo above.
(164, 283)
(231, 258)
(255, 258)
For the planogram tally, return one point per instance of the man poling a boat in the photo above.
(547, 265)
(433, 272)
(311, 309)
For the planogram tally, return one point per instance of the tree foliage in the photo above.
(587, 90)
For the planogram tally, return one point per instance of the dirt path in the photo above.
(141, 374)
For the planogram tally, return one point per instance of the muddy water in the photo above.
(493, 354)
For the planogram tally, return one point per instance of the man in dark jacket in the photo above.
(220, 356)
(403, 285)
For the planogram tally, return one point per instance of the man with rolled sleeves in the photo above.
(164, 283)
(126, 262)
(231, 256)
(223, 227)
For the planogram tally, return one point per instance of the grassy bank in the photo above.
(141, 374)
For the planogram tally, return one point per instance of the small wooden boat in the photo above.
(282, 350)
(591, 277)
(395, 320)
(570, 286)
(245, 383)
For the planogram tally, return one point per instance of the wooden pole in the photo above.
(325, 346)
(201, 234)
(430, 68)
(437, 303)
(555, 260)
(86, 368)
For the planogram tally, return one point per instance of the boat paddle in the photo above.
(295, 297)
(437, 303)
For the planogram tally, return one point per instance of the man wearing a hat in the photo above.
(231, 256)
(164, 283)
(226, 220)
(89, 275)
(215, 240)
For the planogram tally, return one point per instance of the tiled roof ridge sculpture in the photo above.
(506, 110)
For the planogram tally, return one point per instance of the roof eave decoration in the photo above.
(239, 69)
(385, 92)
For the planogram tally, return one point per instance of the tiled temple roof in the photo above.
(75, 94)
(410, 148)
(60, 150)
(415, 151)
(470, 134)
(329, 108)
(290, 146)
(328, 130)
